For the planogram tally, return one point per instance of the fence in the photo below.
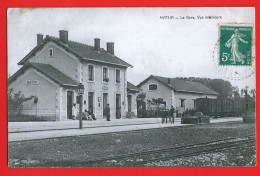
(142, 113)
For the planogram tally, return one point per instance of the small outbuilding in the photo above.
(175, 92)
(132, 93)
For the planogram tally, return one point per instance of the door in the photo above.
(91, 102)
(69, 104)
(105, 102)
(129, 100)
(118, 106)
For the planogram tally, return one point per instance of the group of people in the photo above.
(169, 114)
(88, 114)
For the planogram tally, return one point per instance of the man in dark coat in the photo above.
(107, 112)
(164, 116)
(171, 114)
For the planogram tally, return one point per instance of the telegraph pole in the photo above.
(246, 94)
(80, 112)
(80, 91)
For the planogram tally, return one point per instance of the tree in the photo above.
(141, 96)
(242, 92)
(15, 102)
(159, 102)
(252, 92)
(235, 93)
(141, 101)
(224, 88)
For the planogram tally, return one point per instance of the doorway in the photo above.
(118, 106)
(105, 102)
(69, 104)
(129, 100)
(91, 102)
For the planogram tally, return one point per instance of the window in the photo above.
(91, 73)
(51, 52)
(153, 87)
(105, 74)
(117, 76)
(183, 103)
(91, 101)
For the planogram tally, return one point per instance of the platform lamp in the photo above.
(80, 92)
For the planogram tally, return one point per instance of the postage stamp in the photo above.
(115, 72)
(235, 44)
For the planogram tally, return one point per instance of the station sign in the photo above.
(32, 82)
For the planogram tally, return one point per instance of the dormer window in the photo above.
(152, 87)
(51, 52)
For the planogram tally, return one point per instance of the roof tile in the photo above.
(82, 51)
(48, 71)
(130, 86)
(182, 85)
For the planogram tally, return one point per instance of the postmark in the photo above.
(235, 44)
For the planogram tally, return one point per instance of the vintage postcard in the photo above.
(131, 87)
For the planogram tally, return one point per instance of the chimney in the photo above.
(64, 36)
(97, 44)
(110, 48)
(39, 39)
(169, 81)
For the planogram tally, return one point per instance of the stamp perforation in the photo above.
(236, 24)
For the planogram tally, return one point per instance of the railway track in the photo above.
(142, 158)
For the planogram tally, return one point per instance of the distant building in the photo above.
(53, 70)
(175, 92)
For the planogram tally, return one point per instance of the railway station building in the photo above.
(53, 70)
(175, 92)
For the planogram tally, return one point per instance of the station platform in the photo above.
(21, 131)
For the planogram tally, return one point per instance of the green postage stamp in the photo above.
(235, 44)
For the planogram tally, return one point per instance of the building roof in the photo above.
(49, 71)
(131, 87)
(80, 50)
(182, 85)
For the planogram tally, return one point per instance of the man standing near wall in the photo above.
(172, 114)
(107, 112)
(74, 111)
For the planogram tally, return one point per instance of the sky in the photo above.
(153, 45)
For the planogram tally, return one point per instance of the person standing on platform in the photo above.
(107, 112)
(164, 116)
(171, 114)
(74, 111)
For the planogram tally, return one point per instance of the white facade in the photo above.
(178, 99)
(55, 99)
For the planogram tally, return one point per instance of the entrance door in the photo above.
(118, 106)
(105, 101)
(91, 102)
(129, 100)
(69, 104)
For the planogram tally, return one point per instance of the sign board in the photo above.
(105, 87)
(32, 82)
